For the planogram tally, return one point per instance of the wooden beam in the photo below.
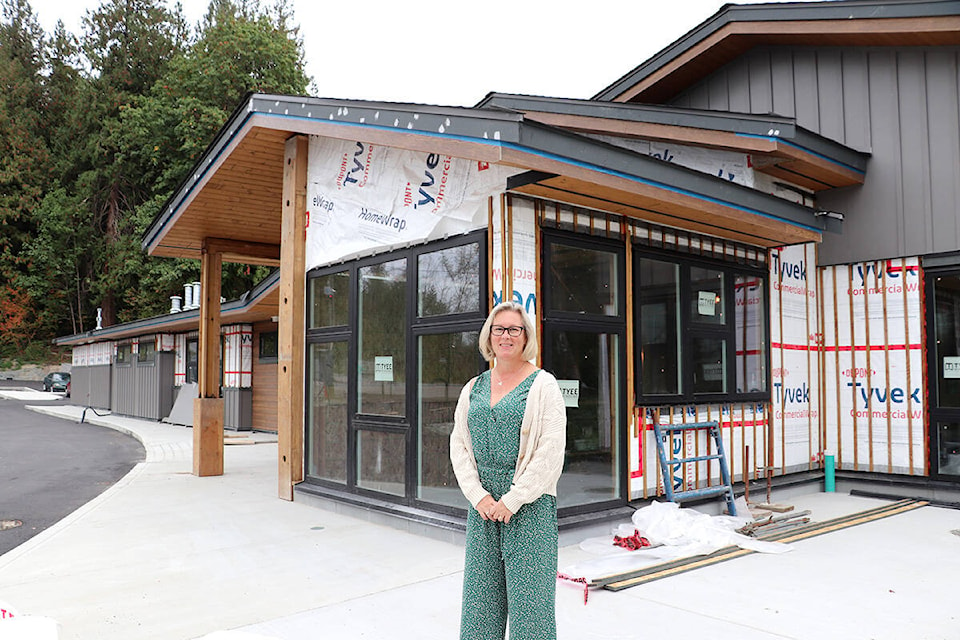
(290, 361)
(245, 252)
(208, 408)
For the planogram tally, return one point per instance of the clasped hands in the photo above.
(490, 509)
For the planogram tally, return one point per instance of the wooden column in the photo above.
(208, 408)
(290, 361)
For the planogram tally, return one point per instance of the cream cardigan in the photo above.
(543, 440)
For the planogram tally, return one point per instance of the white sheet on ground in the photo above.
(674, 532)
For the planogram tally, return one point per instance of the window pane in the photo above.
(583, 280)
(124, 354)
(327, 412)
(589, 363)
(946, 297)
(381, 461)
(447, 361)
(147, 351)
(709, 365)
(193, 361)
(448, 281)
(329, 300)
(659, 296)
(948, 447)
(269, 345)
(706, 299)
(382, 339)
(750, 322)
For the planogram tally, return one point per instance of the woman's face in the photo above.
(507, 347)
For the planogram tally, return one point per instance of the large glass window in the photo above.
(382, 339)
(658, 297)
(377, 421)
(583, 280)
(329, 300)
(381, 461)
(587, 364)
(446, 362)
(448, 281)
(699, 354)
(326, 456)
(147, 351)
(584, 333)
(193, 360)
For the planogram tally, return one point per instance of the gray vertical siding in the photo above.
(90, 386)
(238, 409)
(144, 390)
(900, 104)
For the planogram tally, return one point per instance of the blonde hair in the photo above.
(530, 346)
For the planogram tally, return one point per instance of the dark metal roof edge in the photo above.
(155, 324)
(298, 108)
(600, 156)
(766, 126)
(779, 12)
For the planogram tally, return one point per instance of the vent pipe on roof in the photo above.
(196, 295)
(175, 304)
(187, 297)
(99, 319)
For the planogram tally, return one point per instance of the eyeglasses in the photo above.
(514, 332)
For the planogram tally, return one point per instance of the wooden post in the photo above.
(290, 361)
(208, 408)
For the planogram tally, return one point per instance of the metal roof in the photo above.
(255, 304)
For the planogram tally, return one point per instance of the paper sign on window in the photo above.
(383, 368)
(707, 303)
(951, 367)
(571, 393)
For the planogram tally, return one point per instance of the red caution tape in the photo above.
(586, 585)
(634, 542)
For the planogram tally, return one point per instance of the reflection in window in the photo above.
(327, 412)
(750, 322)
(147, 351)
(124, 354)
(446, 362)
(329, 300)
(193, 361)
(381, 461)
(709, 365)
(659, 294)
(948, 436)
(448, 281)
(269, 346)
(946, 296)
(589, 362)
(382, 339)
(707, 304)
(583, 280)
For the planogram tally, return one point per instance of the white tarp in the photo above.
(363, 197)
(674, 532)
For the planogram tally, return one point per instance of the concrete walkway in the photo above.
(164, 554)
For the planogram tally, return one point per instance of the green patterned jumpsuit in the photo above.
(511, 568)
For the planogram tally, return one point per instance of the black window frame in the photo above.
(415, 327)
(270, 357)
(152, 360)
(554, 321)
(690, 330)
(125, 361)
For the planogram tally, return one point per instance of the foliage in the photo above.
(97, 133)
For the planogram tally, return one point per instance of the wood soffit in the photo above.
(733, 39)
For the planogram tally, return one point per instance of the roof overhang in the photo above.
(735, 29)
(234, 192)
(257, 305)
(777, 146)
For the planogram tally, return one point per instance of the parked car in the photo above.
(57, 381)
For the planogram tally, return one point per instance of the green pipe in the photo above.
(829, 474)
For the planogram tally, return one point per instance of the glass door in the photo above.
(943, 352)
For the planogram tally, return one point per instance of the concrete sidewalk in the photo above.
(164, 554)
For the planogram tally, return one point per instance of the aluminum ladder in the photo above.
(667, 464)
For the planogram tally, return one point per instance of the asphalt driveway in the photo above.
(50, 467)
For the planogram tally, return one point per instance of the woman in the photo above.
(507, 448)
